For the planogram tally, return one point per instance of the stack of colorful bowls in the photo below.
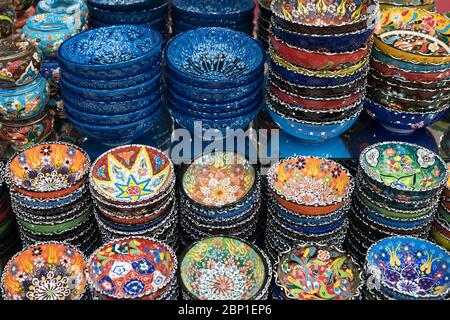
(416, 4)
(397, 193)
(308, 202)
(49, 195)
(316, 272)
(409, 83)
(220, 194)
(150, 13)
(133, 189)
(24, 118)
(318, 65)
(46, 271)
(214, 78)
(133, 269)
(224, 268)
(263, 25)
(111, 82)
(440, 230)
(232, 14)
(407, 268)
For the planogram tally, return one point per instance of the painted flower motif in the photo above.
(71, 152)
(390, 152)
(46, 150)
(22, 159)
(300, 163)
(107, 285)
(37, 251)
(323, 255)
(65, 262)
(408, 286)
(425, 158)
(325, 166)
(372, 157)
(433, 47)
(49, 287)
(119, 269)
(67, 162)
(219, 192)
(222, 286)
(21, 276)
(97, 267)
(336, 172)
(134, 287)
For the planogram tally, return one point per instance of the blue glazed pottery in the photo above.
(402, 121)
(125, 5)
(182, 26)
(48, 31)
(159, 24)
(111, 53)
(75, 8)
(219, 9)
(50, 70)
(214, 58)
(24, 102)
(126, 17)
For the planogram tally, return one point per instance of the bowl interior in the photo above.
(129, 268)
(32, 272)
(410, 266)
(310, 181)
(217, 7)
(222, 268)
(49, 167)
(403, 166)
(218, 179)
(131, 173)
(327, 268)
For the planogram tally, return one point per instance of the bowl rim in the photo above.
(141, 11)
(178, 5)
(372, 58)
(443, 108)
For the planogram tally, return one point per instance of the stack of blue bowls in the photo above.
(110, 82)
(152, 13)
(214, 76)
(193, 14)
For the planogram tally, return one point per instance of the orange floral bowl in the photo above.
(48, 170)
(310, 185)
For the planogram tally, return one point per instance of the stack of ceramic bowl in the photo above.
(215, 78)
(308, 202)
(316, 272)
(137, 268)
(440, 230)
(24, 118)
(407, 268)
(110, 82)
(219, 194)
(263, 25)
(409, 83)
(416, 4)
(46, 271)
(232, 14)
(224, 268)
(150, 13)
(133, 189)
(318, 65)
(49, 195)
(397, 193)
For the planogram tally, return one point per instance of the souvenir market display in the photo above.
(224, 268)
(440, 230)
(50, 197)
(398, 188)
(133, 188)
(263, 25)
(137, 268)
(219, 195)
(232, 14)
(308, 202)
(409, 82)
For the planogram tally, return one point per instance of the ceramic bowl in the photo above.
(193, 57)
(210, 269)
(181, 25)
(301, 271)
(159, 24)
(24, 102)
(332, 17)
(92, 54)
(264, 8)
(31, 272)
(428, 31)
(127, 17)
(223, 9)
(403, 171)
(310, 185)
(75, 8)
(131, 268)
(409, 267)
(119, 5)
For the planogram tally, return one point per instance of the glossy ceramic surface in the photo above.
(125, 4)
(214, 10)
(75, 8)
(144, 16)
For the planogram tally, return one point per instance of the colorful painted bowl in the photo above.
(318, 272)
(48, 31)
(310, 185)
(46, 271)
(142, 16)
(403, 171)
(125, 5)
(414, 35)
(75, 8)
(224, 268)
(409, 267)
(131, 268)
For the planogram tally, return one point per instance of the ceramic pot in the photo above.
(75, 8)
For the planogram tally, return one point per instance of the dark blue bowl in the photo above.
(183, 26)
(159, 24)
(313, 229)
(214, 58)
(126, 17)
(330, 43)
(401, 121)
(111, 53)
(206, 9)
(113, 95)
(125, 5)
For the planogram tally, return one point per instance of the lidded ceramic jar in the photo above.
(7, 17)
(74, 8)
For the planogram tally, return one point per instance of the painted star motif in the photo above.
(133, 189)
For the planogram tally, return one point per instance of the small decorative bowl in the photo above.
(75, 8)
(403, 171)
(318, 272)
(210, 269)
(223, 9)
(127, 17)
(45, 271)
(409, 268)
(310, 185)
(135, 5)
(131, 268)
